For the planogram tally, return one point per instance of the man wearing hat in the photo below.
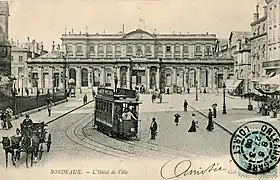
(153, 129)
(27, 125)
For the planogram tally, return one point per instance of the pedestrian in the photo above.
(188, 89)
(177, 117)
(214, 110)
(3, 119)
(85, 99)
(185, 105)
(49, 107)
(210, 126)
(194, 125)
(8, 115)
(153, 128)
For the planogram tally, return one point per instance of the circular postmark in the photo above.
(255, 147)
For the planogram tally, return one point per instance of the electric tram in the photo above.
(109, 111)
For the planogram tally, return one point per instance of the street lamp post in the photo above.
(196, 94)
(224, 104)
(250, 106)
(65, 77)
(130, 73)
(21, 102)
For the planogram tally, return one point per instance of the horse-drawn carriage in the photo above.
(31, 142)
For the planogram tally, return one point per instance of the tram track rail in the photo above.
(218, 124)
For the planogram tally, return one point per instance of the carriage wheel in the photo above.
(49, 142)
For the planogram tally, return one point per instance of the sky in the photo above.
(46, 20)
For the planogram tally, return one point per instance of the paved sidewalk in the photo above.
(42, 115)
(175, 102)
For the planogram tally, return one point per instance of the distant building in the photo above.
(5, 47)
(258, 48)
(20, 54)
(169, 62)
(272, 65)
(239, 49)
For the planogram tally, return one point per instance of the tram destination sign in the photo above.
(105, 92)
(126, 92)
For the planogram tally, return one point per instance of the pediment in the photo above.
(139, 34)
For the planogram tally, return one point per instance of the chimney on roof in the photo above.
(256, 14)
(265, 10)
(53, 47)
(17, 42)
(42, 48)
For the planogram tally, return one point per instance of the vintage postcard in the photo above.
(139, 89)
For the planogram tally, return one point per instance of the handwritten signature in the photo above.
(184, 168)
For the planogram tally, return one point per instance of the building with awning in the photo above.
(232, 84)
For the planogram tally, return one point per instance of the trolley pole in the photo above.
(65, 80)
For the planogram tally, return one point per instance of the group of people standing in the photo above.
(212, 114)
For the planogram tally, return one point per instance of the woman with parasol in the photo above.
(177, 117)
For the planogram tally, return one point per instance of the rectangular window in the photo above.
(168, 48)
(79, 49)
(148, 49)
(198, 49)
(92, 49)
(118, 48)
(69, 48)
(129, 49)
(185, 49)
(20, 71)
(109, 49)
(100, 49)
(177, 49)
(208, 50)
(20, 59)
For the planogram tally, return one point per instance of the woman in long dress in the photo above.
(194, 125)
(210, 126)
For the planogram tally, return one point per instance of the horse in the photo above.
(11, 145)
(30, 145)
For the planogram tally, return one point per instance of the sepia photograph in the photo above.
(140, 89)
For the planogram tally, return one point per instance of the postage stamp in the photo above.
(255, 148)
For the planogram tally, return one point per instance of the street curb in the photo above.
(15, 117)
(55, 119)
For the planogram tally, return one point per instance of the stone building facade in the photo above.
(258, 47)
(169, 62)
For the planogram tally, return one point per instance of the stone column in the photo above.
(90, 77)
(74, 50)
(181, 50)
(164, 50)
(78, 77)
(153, 50)
(67, 76)
(96, 50)
(157, 79)
(215, 76)
(210, 78)
(123, 50)
(102, 76)
(172, 50)
(50, 77)
(114, 50)
(174, 78)
(198, 77)
(40, 78)
(105, 50)
(61, 78)
(203, 50)
(119, 77)
(225, 74)
(128, 78)
(148, 78)
(143, 49)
